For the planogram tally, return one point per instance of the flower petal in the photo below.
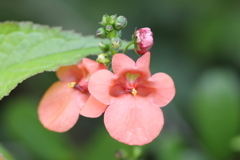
(121, 62)
(91, 66)
(133, 120)
(69, 73)
(143, 63)
(99, 85)
(164, 89)
(93, 108)
(59, 108)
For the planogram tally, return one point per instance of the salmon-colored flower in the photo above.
(134, 97)
(61, 105)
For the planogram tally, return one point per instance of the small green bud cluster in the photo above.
(112, 29)
(118, 23)
(112, 26)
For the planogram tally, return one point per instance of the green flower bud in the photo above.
(116, 42)
(112, 19)
(101, 33)
(105, 20)
(109, 28)
(104, 46)
(103, 58)
(120, 23)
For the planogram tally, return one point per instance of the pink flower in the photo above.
(144, 40)
(134, 97)
(61, 105)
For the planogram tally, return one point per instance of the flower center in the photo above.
(131, 83)
(134, 91)
(132, 77)
(76, 86)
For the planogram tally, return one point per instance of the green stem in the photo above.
(136, 152)
(124, 51)
(113, 51)
(112, 34)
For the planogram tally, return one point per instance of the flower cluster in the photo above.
(129, 96)
(112, 29)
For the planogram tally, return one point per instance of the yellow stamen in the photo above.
(134, 91)
(71, 85)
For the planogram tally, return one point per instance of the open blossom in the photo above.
(61, 105)
(133, 98)
(144, 40)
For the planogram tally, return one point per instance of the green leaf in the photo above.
(27, 49)
(215, 110)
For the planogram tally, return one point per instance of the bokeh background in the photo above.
(196, 42)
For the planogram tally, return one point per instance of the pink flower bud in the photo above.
(144, 40)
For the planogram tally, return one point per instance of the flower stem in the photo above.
(112, 34)
(113, 51)
(136, 152)
(132, 42)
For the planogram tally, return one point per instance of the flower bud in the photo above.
(104, 46)
(116, 42)
(109, 28)
(144, 40)
(120, 23)
(103, 58)
(105, 20)
(112, 19)
(101, 33)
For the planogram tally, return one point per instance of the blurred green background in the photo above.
(196, 42)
